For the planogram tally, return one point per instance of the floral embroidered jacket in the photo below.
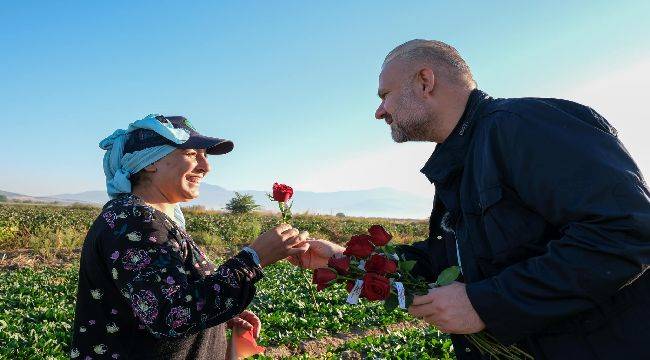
(147, 291)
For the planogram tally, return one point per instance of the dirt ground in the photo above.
(14, 259)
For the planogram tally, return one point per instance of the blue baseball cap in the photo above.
(143, 138)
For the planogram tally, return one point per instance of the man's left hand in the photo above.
(449, 309)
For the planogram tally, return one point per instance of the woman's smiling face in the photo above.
(178, 175)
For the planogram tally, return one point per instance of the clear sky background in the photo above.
(292, 83)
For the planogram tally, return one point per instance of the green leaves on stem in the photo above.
(285, 210)
(447, 276)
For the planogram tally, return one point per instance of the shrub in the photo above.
(241, 204)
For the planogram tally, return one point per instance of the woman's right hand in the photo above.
(279, 243)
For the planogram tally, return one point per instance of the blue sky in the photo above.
(292, 83)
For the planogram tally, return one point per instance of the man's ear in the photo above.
(151, 168)
(426, 81)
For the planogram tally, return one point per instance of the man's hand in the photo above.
(246, 321)
(449, 309)
(318, 254)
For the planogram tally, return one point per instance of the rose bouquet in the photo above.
(371, 269)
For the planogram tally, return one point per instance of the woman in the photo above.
(145, 288)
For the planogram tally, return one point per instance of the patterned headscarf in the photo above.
(118, 167)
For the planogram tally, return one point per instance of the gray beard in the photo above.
(411, 132)
(411, 123)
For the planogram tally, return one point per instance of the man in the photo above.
(536, 200)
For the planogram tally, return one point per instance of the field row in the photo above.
(52, 227)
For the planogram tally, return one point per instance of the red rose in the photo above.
(324, 277)
(359, 246)
(282, 192)
(381, 265)
(375, 287)
(340, 263)
(380, 236)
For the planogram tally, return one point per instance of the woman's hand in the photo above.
(279, 243)
(317, 255)
(246, 321)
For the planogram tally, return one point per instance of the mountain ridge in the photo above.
(377, 202)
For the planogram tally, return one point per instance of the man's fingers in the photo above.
(420, 310)
(419, 300)
(430, 320)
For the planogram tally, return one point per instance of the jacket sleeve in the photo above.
(581, 180)
(167, 298)
(429, 256)
(432, 254)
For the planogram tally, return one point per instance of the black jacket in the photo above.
(551, 217)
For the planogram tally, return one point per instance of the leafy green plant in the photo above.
(38, 310)
(416, 344)
(38, 226)
(241, 204)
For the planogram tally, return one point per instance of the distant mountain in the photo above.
(380, 202)
(9, 194)
(95, 197)
(37, 199)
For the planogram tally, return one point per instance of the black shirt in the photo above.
(147, 291)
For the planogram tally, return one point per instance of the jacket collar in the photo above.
(449, 156)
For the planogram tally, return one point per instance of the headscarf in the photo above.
(118, 167)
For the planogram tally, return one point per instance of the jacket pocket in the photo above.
(512, 231)
(489, 197)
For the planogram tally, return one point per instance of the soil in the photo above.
(21, 258)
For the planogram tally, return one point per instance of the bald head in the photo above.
(441, 57)
(423, 86)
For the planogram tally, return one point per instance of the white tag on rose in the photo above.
(401, 298)
(353, 297)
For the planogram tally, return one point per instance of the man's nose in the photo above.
(380, 113)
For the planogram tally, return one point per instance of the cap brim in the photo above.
(212, 146)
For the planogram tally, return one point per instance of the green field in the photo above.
(37, 304)
(63, 227)
(38, 308)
